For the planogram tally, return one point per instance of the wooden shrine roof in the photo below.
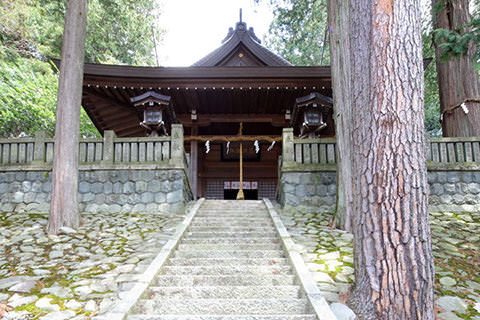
(241, 47)
(220, 95)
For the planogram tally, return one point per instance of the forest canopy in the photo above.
(118, 32)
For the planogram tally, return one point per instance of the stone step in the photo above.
(235, 222)
(225, 292)
(223, 306)
(230, 246)
(235, 225)
(222, 317)
(229, 254)
(243, 234)
(222, 280)
(226, 262)
(233, 216)
(230, 229)
(226, 270)
(191, 240)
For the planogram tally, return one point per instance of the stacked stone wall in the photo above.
(99, 191)
(454, 190)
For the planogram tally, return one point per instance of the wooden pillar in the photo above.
(194, 163)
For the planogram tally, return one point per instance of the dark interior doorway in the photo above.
(232, 194)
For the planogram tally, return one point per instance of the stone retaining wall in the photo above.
(100, 191)
(454, 190)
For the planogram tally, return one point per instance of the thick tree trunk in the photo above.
(64, 203)
(457, 79)
(394, 269)
(338, 20)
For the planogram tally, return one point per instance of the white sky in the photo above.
(194, 28)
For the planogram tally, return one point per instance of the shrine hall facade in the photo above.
(240, 84)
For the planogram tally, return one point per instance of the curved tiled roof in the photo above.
(246, 37)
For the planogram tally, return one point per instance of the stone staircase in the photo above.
(230, 264)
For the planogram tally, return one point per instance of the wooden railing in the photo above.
(453, 150)
(109, 150)
(323, 150)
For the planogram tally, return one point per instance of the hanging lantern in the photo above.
(309, 113)
(155, 112)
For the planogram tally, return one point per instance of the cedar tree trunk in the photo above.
(64, 203)
(394, 268)
(340, 60)
(457, 78)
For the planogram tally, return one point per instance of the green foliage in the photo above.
(118, 32)
(28, 98)
(297, 32)
(456, 43)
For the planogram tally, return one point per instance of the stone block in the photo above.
(332, 190)
(154, 186)
(161, 175)
(122, 199)
(151, 208)
(117, 187)
(126, 208)
(84, 187)
(147, 197)
(449, 188)
(436, 189)
(114, 208)
(292, 178)
(15, 186)
(175, 196)
(138, 208)
(321, 190)
(29, 197)
(36, 186)
(140, 186)
(306, 178)
(40, 197)
(165, 186)
(446, 199)
(7, 207)
(453, 176)
(300, 191)
(129, 187)
(177, 184)
(474, 188)
(4, 187)
(108, 187)
(160, 197)
(123, 175)
(148, 176)
(290, 188)
(310, 190)
(458, 199)
(26, 186)
(100, 199)
(133, 199)
(87, 197)
(20, 176)
(17, 197)
(97, 187)
(47, 186)
(466, 176)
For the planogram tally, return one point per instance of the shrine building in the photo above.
(239, 93)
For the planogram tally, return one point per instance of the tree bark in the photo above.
(338, 20)
(64, 202)
(457, 78)
(394, 268)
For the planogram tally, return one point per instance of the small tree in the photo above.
(64, 203)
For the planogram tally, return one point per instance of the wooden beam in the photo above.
(194, 163)
(204, 119)
(233, 138)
